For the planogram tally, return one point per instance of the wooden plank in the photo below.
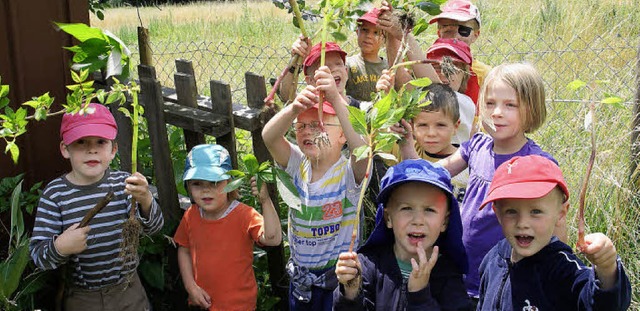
(187, 96)
(256, 92)
(196, 120)
(162, 162)
(185, 66)
(223, 106)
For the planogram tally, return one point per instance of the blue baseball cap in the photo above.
(420, 170)
(207, 162)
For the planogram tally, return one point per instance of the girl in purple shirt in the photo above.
(512, 104)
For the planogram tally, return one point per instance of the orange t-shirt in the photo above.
(222, 255)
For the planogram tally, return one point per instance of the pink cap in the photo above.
(450, 47)
(326, 108)
(459, 10)
(314, 55)
(95, 120)
(528, 177)
(371, 16)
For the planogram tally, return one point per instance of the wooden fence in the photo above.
(198, 116)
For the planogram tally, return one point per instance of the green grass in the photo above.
(566, 40)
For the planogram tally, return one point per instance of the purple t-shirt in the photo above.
(481, 230)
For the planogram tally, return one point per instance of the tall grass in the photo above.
(613, 205)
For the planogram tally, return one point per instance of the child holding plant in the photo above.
(101, 278)
(217, 234)
(414, 258)
(328, 183)
(366, 67)
(530, 200)
(512, 104)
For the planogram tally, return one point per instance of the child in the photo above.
(414, 258)
(512, 104)
(530, 199)
(434, 128)
(328, 183)
(100, 278)
(217, 233)
(457, 79)
(366, 67)
(460, 19)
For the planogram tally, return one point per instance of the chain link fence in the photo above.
(559, 60)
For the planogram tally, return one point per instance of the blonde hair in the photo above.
(529, 87)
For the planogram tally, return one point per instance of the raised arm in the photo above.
(454, 163)
(272, 231)
(300, 48)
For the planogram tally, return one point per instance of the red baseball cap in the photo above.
(458, 10)
(528, 177)
(371, 16)
(314, 55)
(326, 108)
(450, 47)
(94, 120)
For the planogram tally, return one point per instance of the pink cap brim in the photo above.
(436, 47)
(461, 17)
(524, 190)
(97, 130)
(326, 108)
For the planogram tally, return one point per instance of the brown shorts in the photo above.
(129, 296)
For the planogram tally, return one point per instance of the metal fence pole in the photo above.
(635, 131)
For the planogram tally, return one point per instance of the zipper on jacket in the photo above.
(505, 275)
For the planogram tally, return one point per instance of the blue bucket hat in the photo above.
(420, 170)
(207, 162)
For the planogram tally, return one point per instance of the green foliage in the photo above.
(97, 7)
(417, 12)
(15, 289)
(28, 199)
(98, 50)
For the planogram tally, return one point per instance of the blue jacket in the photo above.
(552, 279)
(383, 287)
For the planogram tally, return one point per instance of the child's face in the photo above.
(334, 61)
(306, 136)
(502, 106)
(369, 38)
(528, 224)
(416, 212)
(448, 29)
(89, 157)
(433, 131)
(209, 196)
(454, 81)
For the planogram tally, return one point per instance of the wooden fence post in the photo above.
(144, 47)
(187, 94)
(151, 94)
(222, 104)
(256, 92)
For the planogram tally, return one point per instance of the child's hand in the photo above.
(138, 187)
(327, 84)
(198, 297)
(388, 22)
(600, 251)
(72, 241)
(301, 47)
(305, 99)
(419, 277)
(403, 128)
(385, 83)
(263, 194)
(348, 274)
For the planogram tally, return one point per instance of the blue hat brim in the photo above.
(212, 174)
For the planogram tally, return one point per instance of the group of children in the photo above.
(492, 237)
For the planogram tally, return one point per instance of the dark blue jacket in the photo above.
(383, 287)
(552, 279)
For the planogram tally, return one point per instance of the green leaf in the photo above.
(13, 149)
(612, 100)
(420, 26)
(81, 31)
(339, 36)
(429, 7)
(383, 108)
(357, 119)
(4, 90)
(235, 184)
(17, 225)
(12, 267)
(576, 85)
(387, 156)
(251, 163)
(362, 152)
(264, 165)
(421, 82)
(75, 77)
(153, 273)
(236, 173)
(286, 180)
